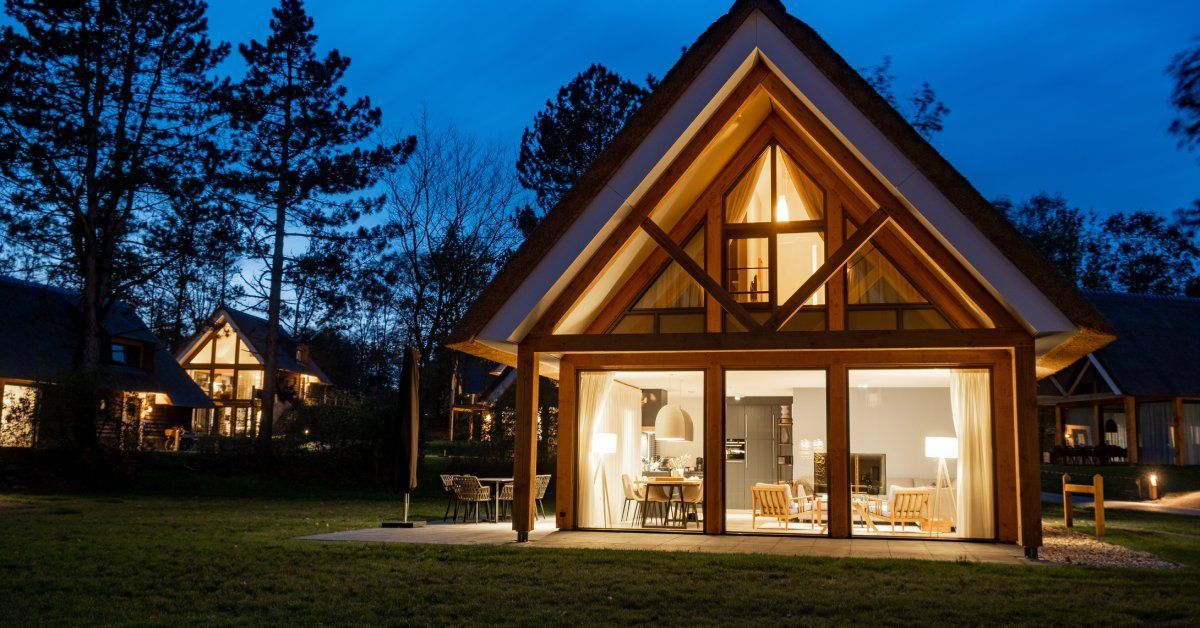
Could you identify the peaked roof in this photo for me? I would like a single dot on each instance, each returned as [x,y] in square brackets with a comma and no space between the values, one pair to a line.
[1091,332]
[41,343]
[1158,339]
[254,331]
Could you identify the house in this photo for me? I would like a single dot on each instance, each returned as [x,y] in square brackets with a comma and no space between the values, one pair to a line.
[1143,388]
[772,307]
[226,361]
[42,347]
[475,386]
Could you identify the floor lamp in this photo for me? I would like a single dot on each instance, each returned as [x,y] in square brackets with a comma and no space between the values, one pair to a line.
[941,447]
[604,444]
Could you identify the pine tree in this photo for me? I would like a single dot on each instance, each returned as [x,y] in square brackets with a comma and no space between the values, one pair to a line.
[301,160]
[107,120]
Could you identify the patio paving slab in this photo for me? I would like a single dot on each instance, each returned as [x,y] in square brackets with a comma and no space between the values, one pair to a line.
[546,536]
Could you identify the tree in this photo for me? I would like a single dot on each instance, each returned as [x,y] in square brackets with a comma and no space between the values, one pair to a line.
[572,130]
[923,110]
[1185,96]
[451,213]
[1142,253]
[1064,234]
[105,109]
[301,158]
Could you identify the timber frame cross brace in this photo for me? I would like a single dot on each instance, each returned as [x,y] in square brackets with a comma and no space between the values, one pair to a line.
[832,265]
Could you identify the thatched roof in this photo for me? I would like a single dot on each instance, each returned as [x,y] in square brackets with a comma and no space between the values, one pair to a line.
[42,343]
[1093,330]
[1158,339]
[254,331]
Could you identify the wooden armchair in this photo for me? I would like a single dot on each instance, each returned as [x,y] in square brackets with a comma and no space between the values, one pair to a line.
[775,501]
[906,505]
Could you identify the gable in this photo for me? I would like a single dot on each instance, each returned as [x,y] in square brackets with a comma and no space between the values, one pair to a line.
[867,133]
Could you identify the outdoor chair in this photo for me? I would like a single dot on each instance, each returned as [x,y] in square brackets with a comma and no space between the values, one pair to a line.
[472,493]
[448,489]
[541,483]
[505,498]
[633,495]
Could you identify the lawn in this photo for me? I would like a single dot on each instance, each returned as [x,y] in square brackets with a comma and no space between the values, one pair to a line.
[150,557]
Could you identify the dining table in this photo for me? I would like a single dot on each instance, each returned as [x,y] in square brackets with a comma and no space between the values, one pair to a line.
[496,483]
[673,486]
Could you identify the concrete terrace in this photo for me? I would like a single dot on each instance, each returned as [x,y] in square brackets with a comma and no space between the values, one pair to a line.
[546,536]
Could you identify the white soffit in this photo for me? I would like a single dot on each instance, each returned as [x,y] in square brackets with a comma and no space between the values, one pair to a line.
[754,37]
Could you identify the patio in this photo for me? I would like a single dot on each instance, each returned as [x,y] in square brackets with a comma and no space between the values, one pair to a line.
[544,535]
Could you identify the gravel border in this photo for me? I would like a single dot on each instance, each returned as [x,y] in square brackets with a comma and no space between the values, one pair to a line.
[1065,547]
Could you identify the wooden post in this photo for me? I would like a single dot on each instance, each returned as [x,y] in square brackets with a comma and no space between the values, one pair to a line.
[1067,519]
[1058,426]
[1098,493]
[1177,430]
[564,495]
[837,457]
[1028,457]
[714,450]
[1131,430]
[525,446]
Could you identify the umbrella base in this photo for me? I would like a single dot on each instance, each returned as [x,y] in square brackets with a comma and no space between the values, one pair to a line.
[402,524]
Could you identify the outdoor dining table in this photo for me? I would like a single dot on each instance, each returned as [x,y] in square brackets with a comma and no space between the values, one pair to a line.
[672,484]
[496,484]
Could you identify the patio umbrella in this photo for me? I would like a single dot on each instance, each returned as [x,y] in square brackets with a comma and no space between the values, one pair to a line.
[406,424]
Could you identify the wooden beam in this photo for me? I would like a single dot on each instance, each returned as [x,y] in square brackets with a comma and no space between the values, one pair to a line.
[832,265]
[564,494]
[692,268]
[837,451]
[1004,437]
[714,450]
[1058,425]
[1180,437]
[1131,429]
[525,445]
[835,235]
[778,341]
[600,260]
[792,359]
[1028,449]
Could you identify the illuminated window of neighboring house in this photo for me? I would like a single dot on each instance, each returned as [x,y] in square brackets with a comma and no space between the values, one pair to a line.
[226,341]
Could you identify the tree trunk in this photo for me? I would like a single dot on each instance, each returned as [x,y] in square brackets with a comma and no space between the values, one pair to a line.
[271,360]
[85,423]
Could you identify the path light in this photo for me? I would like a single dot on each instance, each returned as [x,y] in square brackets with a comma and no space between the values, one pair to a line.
[1153,486]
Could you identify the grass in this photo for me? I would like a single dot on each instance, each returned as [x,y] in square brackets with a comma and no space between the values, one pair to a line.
[199,556]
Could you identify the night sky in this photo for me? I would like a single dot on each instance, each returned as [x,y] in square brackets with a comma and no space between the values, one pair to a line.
[1068,97]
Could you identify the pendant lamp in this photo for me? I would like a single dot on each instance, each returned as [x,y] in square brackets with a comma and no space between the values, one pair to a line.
[673,423]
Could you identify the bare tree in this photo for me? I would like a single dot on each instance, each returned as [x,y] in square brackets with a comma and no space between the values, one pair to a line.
[451,213]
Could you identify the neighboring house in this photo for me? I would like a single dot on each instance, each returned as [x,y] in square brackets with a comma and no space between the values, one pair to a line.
[475,386]
[226,361]
[1143,388]
[770,301]
[42,347]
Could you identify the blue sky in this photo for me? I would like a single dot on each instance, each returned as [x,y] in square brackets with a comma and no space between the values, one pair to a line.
[1065,96]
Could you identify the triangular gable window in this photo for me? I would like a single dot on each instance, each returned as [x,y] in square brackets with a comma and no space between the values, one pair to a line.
[672,303]
[204,355]
[880,297]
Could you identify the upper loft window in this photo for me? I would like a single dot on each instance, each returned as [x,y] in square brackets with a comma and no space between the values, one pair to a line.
[672,303]
[126,354]
[880,297]
[224,346]
[774,231]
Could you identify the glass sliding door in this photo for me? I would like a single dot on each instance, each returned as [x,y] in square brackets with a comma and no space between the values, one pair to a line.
[921,453]
[775,467]
[640,450]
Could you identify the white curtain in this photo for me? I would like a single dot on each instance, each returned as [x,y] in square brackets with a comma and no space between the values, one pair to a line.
[970,402]
[593,397]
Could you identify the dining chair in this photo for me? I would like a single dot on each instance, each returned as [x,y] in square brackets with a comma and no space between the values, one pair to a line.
[657,499]
[505,497]
[541,483]
[448,489]
[693,500]
[471,492]
[633,495]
